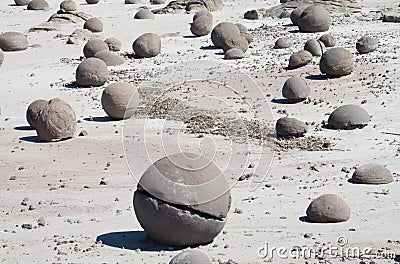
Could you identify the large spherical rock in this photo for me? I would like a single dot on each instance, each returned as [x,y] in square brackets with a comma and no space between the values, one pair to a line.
[300,59]
[315,47]
[234,41]
[182,200]
[68,6]
[93,24]
[328,208]
[314,18]
[372,173]
[234,54]
[33,111]
[222,31]
[13,41]
[1,57]
[120,100]
[366,44]
[349,117]
[336,62]
[92,2]
[295,89]
[93,46]
[296,13]
[147,45]
[190,257]
[283,43]
[110,58]
[144,14]
[290,127]
[202,25]
[202,13]
[92,72]
[56,121]
[328,40]
[113,44]
[38,5]
[21,2]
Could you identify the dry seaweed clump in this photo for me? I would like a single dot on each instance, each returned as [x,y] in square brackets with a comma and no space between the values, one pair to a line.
[307,144]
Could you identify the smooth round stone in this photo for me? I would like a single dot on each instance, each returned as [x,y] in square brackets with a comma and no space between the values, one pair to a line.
[235,41]
[120,100]
[21,2]
[336,62]
[92,72]
[328,208]
[328,40]
[295,89]
[202,25]
[113,44]
[144,14]
[68,6]
[366,44]
[92,2]
[190,257]
[290,127]
[94,46]
[349,117]
[94,25]
[283,43]
[314,18]
[147,45]
[296,13]
[372,173]
[38,5]
[234,54]
[300,59]
[13,41]
[222,31]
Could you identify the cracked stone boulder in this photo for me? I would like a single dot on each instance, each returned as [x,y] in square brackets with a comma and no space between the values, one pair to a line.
[255,14]
[33,111]
[68,6]
[56,121]
[191,256]
[109,57]
[120,100]
[183,6]
[315,47]
[93,24]
[93,46]
[372,173]
[295,89]
[366,44]
[314,18]
[287,127]
[114,44]
[201,25]
[182,200]
[80,35]
[234,42]
[92,72]
[38,5]
[328,40]
[336,62]
[21,2]
[349,117]
[328,208]
[283,43]
[147,45]
[300,59]
[13,41]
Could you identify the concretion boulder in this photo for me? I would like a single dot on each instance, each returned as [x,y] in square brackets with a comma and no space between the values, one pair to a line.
[114,44]
[328,40]
[33,111]
[190,257]
[93,46]
[314,18]
[295,89]
[93,24]
[13,41]
[234,54]
[222,31]
[315,47]
[120,100]
[283,43]
[290,128]
[38,5]
[336,62]
[300,59]
[182,6]
[202,25]
[109,57]
[349,117]
[92,72]
[366,44]
[372,173]
[147,45]
[328,208]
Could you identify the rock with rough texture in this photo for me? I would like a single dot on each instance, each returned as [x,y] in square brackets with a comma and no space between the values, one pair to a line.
[287,127]
[234,54]
[80,35]
[372,173]
[202,25]
[349,117]
[366,44]
[21,2]
[91,72]
[315,47]
[144,13]
[1,57]
[255,14]
[130,2]
[314,18]
[157,2]
[56,121]
[13,41]
[183,6]
[328,40]
[300,59]
[147,45]
[283,43]
[235,41]
[109,57]
[277,12]
[222,31]
[93,46]
[245,33]
[296,13]
[68,6]
[182,200]
[38,5]
[333,6]
[336,62]
[328,208]
[33,111]
[69,17]
[120,100]
[114,44]
[92,2]
[202,13]
[93,24]
[295,89]
[391,17]
[190,257]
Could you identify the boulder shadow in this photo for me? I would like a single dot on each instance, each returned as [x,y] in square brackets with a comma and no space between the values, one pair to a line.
[286,101]
[32,139]
[99,119]
[304,219]
[209,47]
[397,258]
[317,77]
[191,36]
[72,85]
[132,240]
[23,128]
[294,30]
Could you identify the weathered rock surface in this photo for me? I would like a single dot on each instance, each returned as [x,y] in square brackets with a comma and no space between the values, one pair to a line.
[181,6]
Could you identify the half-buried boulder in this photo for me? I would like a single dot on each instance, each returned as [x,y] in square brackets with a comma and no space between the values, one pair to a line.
[372,173]
[349,117]
[328,208]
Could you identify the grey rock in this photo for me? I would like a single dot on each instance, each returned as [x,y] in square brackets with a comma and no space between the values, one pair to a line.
[144,13]
[328,208]
[13,41]
[234,54]
[328,40]
[109,57]
[190,257]
[290,127]
[92,72]
[283,43]
[315,47]
[372,173]
[300,59]
[314,18]
[336,62]
[93,46]
[349,117]
[295,89]
[366,44]
[120,100]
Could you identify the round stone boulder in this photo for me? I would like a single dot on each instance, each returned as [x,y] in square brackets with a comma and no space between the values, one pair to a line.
[38,5]
[182,200]
[295,89]
[283,43]
[315,47]
[144,14]
[372,173]
[245,33]
[92,72]
[366,44]
[109,57]
[33,111]
[114,44]
[93,46]
[202,25]
[147,45]
[300,59]
[287,127]
[13,41]
[328,40]
[120,100]
[296,13]
[56,121]
[314,18]
[235,41]
[93,24]
[92,2]
[234,54]
[190,256]
[222,31]
[21,2]
[349,117]
[1,57]
[336,62]
[202,13]
[68,6]
[328,208]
